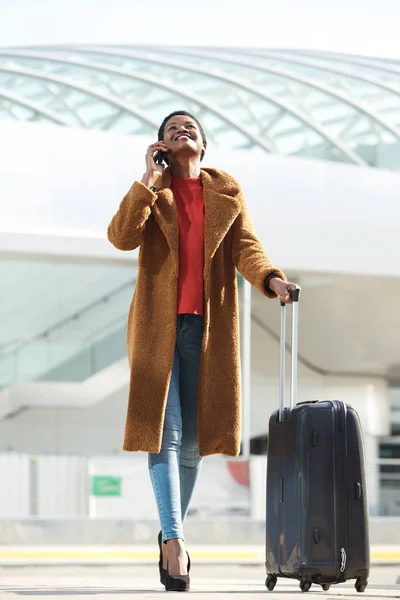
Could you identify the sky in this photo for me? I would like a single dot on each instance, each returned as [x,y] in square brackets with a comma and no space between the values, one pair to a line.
[368,27]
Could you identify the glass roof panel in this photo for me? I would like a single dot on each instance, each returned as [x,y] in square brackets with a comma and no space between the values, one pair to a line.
[302,102]
[21,113]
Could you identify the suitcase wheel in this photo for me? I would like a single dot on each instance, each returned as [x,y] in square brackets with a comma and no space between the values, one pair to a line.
[326,587]
[270,582]
[305,585]
[361,585]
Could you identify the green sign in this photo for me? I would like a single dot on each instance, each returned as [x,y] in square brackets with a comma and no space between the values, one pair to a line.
[106,485]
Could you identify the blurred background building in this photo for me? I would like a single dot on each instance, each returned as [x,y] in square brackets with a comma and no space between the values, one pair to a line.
[314,139]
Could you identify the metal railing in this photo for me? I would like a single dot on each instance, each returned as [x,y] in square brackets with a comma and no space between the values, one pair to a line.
[34,357]
[389,486]
[62,486]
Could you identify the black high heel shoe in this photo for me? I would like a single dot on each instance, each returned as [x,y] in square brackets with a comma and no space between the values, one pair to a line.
[163,572]
[180,583]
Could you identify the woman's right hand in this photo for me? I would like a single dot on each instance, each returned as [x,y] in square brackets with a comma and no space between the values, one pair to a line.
[153,169]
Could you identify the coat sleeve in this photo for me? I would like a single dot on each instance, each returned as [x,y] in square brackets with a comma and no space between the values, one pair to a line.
[127,226]
[248,253]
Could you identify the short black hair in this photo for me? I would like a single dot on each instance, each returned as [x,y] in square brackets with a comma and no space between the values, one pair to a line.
[182,113]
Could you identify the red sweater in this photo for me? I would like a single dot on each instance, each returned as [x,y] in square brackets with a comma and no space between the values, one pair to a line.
[189,201]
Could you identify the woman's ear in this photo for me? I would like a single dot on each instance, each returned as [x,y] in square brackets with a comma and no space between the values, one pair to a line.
[203,152]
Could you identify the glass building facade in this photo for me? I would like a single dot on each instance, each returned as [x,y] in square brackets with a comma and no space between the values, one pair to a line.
[301,103]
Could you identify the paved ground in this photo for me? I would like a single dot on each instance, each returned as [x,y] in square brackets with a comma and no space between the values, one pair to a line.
[222,582]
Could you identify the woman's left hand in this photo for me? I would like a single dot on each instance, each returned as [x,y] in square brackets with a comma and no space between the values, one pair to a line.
[282,288]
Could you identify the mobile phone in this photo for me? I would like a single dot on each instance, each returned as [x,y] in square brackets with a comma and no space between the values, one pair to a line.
[159,157]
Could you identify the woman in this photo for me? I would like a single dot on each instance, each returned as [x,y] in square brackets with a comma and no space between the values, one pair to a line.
[193,229]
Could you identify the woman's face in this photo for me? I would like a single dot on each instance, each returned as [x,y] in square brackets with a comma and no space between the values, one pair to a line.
[182,137]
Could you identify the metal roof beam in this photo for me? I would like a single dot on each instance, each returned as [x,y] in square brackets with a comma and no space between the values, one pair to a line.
[352,156]
[26,103]
[339,97]
[264,144]
[80,88]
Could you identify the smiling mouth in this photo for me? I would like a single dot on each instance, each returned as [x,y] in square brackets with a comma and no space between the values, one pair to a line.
[183,135]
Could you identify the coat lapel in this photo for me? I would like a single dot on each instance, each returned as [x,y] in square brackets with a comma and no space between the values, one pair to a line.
[221,206]
[165,214]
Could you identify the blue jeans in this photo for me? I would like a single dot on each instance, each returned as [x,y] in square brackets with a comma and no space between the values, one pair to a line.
[175,470]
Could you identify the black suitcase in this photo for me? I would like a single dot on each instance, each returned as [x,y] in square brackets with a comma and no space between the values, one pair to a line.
[317,515]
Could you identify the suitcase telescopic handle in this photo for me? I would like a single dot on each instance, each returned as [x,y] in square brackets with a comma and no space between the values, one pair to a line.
[295,295]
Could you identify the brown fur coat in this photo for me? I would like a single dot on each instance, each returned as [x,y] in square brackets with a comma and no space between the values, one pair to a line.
[149,220]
